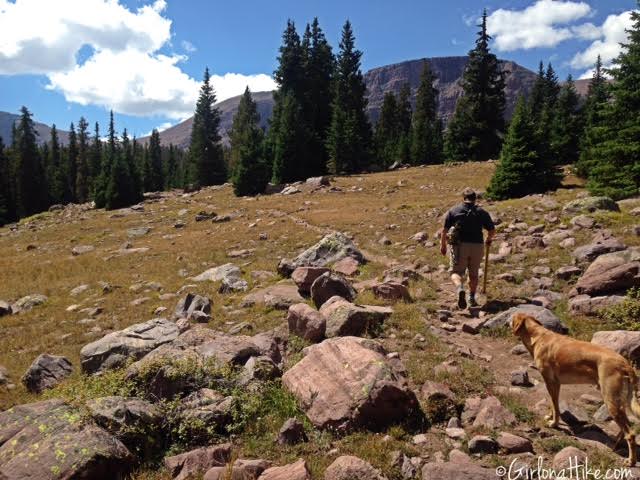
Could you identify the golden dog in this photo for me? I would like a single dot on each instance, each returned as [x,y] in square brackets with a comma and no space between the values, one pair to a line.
[564,360]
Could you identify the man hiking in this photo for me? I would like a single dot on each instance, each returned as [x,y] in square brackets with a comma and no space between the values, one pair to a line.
[462,229]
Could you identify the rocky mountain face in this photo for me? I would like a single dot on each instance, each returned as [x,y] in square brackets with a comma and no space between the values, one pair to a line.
[44,131]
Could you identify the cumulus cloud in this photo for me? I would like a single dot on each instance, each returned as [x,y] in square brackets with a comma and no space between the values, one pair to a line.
[127,69]
[543,24]
[607,44]
[188,46]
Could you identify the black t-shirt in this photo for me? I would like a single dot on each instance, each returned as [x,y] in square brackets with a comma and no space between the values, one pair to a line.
[472,223]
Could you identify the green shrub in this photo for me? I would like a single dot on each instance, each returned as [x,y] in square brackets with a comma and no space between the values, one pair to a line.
[625,315]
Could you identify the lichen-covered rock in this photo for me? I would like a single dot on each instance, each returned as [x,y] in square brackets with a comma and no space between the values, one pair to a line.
[331,248]
[28,302]
[46,371]
[132,343]
[546,317]
[49,439]
[348,382]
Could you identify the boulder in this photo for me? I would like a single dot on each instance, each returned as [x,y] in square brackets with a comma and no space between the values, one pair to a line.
[260,368]
[590,252]
[591,306]
[482,444]
[487,412]
[5,308]
[583,221]
[132,343]
[192,303]
[138,231]
[610,273]
[330,249]
[590,204]
[457,471]
[348,382]
[240,470]
[546,317]
[346,319]
[520,378]
[82,249]
[567,272]
[510,443]
[293,471]
[49,440]
[207,407]
[279,296]
[438,400]
[135,422]
[305,276]
[568,457]
[46,371]
[229,276]
[348,467]
[291,432]
[348,266]
[625,342]
[28,302]
[321,181]
[528,242]
[393,291]
[307,323]
[329,285]
[196,462]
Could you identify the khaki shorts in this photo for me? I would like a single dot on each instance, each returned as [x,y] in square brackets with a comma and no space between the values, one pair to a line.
[466,256]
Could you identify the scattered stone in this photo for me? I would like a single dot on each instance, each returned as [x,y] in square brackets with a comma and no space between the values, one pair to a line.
[583,221]
[349,467]
[46,371]
[602,414]
[625,342]
[279,296]
[610,273]
[487,412]
[506,277]
[482,444]
[5,308]
[528,242]
[541,270]
[546,317]
[318,181]
[346,319]
[138,232]
[590,205]
[290,190]
[473,326]
[392,291]
[4,376]
[82,249]
[591,306]
[28,302]
[384,241]
[132,343]
[329,285]
[292,432]
[305,276]
[456,433]
[307,323]
[293,471]
[568,242]
[567,272]
[196,462]
[520,378]
[438,400]
[519,349]
[348,382]
[567,457]
[139,301]
[330,249]
[510,443]
[457,471]
[204,216]
[193,307]
[598,247]
[348,267]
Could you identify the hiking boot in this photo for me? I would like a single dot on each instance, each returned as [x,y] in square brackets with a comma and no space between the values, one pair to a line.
[462,301]
[472,301]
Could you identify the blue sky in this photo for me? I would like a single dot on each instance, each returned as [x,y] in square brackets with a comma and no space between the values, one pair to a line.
[144,59]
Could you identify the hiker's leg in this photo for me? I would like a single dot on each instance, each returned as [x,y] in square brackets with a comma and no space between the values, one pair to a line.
[473,282]
[456,279]
[476,252]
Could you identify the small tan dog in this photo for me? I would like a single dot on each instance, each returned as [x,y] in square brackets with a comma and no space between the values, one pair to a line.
[564,360]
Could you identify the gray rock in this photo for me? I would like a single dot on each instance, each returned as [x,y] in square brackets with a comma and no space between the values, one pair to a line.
[591,204]
[329,285]
[590,306]
[593,250]
[482,444]
[5,309]
[279,296]
[190,304]
[438,400]
[602,414]
[330,249]
[292,432]
[28,302]
[487,412]
[546,317]
[46,371]
[322,181]
[346,319]
[132,343]
[624,342]
[261,368]
[520,378]
[138,232]
[82,249]
[510,443]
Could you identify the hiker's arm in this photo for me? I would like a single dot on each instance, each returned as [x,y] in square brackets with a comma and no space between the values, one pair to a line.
[490,234]
[490,227]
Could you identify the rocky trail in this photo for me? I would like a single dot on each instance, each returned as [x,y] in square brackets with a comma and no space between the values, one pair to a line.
[307,334]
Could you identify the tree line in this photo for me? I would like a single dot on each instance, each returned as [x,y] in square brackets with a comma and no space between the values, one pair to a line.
[320,126]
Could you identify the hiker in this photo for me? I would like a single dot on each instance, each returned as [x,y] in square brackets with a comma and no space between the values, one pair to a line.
[462,229]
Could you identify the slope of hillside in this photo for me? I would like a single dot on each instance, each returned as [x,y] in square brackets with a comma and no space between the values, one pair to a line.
[104,271]
[44,131]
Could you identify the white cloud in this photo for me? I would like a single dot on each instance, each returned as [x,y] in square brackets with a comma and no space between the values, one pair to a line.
[125,71]
[543,24]
[188,46]
[607,44]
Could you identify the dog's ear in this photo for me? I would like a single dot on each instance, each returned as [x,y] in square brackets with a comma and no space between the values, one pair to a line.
[518,323]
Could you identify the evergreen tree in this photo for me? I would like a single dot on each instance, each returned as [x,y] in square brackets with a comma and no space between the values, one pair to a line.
[426,134]
[30,180]
[121,187]
[71,167]
[172,175]
[521,170]
[615,158]
[538,94]
[7,210]
[108,159]
[250,174]
[56,178]
[206,162]
[82,171]
[552,87]
[476,130]
[289,141]
[405,113]
[134,166]
[566,128]
[387,131]
[95,160]
[155,182]
[349,137]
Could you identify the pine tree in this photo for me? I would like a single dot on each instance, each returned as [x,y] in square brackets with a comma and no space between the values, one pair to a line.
[155,181]
[594,106]
[566,127]
[109,154]
[206,163]
[521,170]
[7,211]
[475,132]
[56,175]
[615,157]
[172,175]
[349,137]
[82,171]
[121,187]
[30,179]
[250,174]
[134,166]
[538,94]
[552,87]
[405,114]
[426,134]
[289,142]
[95,160]
[71,167]
[387,131]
